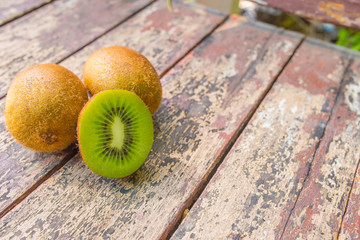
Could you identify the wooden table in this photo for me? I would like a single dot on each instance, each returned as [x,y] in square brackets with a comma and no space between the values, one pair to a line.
[257,137]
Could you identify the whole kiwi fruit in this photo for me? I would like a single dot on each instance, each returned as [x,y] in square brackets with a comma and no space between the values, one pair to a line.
[115,133]
[42,107]
[119,67]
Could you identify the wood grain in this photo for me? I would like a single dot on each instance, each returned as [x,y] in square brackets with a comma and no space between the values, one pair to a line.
[255,187]
[351,223]
[347,140]
[22,168]
[340,12]
[161,35]
[11,9]
[206,98]
[320,206]
[57,30]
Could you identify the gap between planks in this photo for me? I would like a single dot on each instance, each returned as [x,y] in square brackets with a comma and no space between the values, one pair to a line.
[101,35]
[352,184]
[342,84]
[21,14]
[107,31]
[348,199]
[195,45]
[17,201]
[191,201]
[75,149]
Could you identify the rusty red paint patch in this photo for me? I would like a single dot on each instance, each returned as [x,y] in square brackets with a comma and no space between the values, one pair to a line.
[340,12]
[220,122]
[315,77]
[160,19]
[309,201]
[315,124]
[351,223]
[187,59]
[233,21]
[327,187]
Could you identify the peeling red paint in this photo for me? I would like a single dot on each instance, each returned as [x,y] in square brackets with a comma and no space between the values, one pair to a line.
[327,188]
[310,199]
[351,223]
[340,12]
[300,174]
[342,115]
[160,19]
[188,58]
[313,121]
[314,76]
[233,21]
[220,122]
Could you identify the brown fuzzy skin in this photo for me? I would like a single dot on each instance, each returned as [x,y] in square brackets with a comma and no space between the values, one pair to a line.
[123,68]
[42,107]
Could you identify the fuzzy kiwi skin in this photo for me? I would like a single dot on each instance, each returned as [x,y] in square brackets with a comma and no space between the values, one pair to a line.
[42,107]
[119,67]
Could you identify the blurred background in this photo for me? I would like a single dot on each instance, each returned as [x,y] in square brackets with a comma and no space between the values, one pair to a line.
[328,32]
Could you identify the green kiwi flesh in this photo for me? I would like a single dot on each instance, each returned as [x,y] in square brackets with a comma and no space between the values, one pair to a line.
[115,133]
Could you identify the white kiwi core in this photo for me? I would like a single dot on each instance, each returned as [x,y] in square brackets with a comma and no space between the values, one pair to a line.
[118,133]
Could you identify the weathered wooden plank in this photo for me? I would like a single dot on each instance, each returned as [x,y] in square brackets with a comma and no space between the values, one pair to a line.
[200,112]
[320,206]
[10,9]
[255,187]
[57,30]
[161,35]
[350,228]
[340,12]
[21,168]
[349,138]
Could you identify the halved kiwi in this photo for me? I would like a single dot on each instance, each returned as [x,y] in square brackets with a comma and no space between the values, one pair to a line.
[115,133]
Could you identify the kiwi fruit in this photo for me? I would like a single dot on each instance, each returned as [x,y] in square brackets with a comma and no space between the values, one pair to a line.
[115,133]
[119,67]
[42,107]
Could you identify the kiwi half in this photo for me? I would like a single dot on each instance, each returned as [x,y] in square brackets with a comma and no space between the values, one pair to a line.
[115,133]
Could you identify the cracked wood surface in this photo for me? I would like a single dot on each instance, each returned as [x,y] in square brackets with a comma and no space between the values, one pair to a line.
[350,228]
[206,97]
[55,31]
[10,9]
[340,12]
[347,151]
[256,186]
[21,168]
[320,206]
[162,36]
